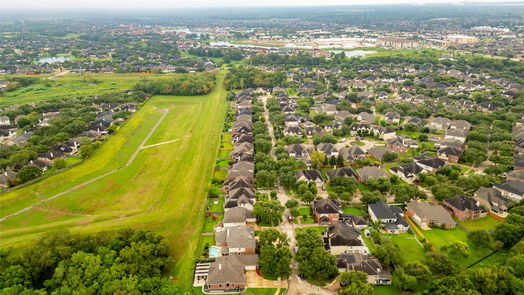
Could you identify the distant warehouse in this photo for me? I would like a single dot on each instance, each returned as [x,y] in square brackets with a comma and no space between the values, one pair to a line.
[396,43]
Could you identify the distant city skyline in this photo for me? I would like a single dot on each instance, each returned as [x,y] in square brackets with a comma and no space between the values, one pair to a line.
[101,4]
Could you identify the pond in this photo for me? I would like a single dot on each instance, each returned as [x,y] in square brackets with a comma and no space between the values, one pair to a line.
[54,59]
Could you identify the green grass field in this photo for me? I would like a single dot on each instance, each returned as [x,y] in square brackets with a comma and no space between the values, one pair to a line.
[411,250]
[354,211]
[74,85]
[162,190]
[386,290]
[486,223]
[441,237]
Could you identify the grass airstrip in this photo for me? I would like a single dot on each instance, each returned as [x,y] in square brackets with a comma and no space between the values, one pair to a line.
[163,189]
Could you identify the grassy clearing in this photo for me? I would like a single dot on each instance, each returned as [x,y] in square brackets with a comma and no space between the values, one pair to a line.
[486,223]
[411,250]
[441,237]
[74,85]
[216,207]
[354,211]
[386,290]
[162,190]
[211,221]
[220,174]
[205,241]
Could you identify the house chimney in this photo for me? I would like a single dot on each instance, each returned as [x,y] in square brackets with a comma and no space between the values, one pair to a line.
[220,266]
[228,232]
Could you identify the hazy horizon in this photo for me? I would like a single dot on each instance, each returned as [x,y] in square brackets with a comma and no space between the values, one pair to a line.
[153,4]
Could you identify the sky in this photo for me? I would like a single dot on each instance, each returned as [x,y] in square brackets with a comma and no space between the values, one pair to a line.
[101,4]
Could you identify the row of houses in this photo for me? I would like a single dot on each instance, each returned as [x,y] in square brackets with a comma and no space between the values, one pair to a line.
[234,253]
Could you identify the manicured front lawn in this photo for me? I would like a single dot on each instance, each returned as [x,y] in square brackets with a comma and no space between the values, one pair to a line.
[386,290]
[486,223]
[354,211]
[305,211]
[216,207]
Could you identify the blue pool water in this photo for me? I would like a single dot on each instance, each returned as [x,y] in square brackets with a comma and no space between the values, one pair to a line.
[213,252]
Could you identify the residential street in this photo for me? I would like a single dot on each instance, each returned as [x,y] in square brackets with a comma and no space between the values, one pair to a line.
[295,284]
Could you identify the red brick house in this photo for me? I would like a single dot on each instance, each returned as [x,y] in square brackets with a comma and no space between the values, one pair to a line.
[463,207]
[326,211]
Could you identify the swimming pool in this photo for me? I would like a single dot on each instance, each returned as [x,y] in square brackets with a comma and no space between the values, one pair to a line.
[214,252]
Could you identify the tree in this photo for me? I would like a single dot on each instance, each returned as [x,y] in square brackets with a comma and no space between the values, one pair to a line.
[371,197]
[388,253]
[29,172]
[268,212]
[442,192]
[263,146]
[381,184]
[456,249]
[87,150]
[59,163]
[355,282]
[389,156]
[480,238]
[307,197]
[340,185]
[275,256]
[317,158]
[314,260]
[292,203]
[404,281]
[440,263]
[265,178]
[405,193]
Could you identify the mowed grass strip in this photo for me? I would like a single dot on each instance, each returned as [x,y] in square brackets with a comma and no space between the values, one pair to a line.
[163,190]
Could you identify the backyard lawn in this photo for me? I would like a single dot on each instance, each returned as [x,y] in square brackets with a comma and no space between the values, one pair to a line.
[205,241]
[441,237]
[220,174]
[211,221]
[163,189]
[486,223]
[216,207]
[411,250]
[354,211]
[386,290]
[224,154]
[223,164]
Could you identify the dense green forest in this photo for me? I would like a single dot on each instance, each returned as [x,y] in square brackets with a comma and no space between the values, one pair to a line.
[128,262]
[241,78]
[190,84]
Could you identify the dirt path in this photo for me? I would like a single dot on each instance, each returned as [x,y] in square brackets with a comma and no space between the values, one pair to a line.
[60,74]
[165,111]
